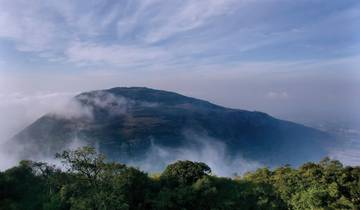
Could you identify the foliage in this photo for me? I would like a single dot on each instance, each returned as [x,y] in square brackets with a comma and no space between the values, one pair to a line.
[90,182]
[185,172]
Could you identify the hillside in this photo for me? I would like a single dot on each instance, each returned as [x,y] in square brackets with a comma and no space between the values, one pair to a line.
[124,123]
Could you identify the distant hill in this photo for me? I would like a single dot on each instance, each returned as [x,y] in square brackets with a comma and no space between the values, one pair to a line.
[125,122]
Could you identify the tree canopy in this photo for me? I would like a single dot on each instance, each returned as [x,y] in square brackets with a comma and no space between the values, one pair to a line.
[91,182]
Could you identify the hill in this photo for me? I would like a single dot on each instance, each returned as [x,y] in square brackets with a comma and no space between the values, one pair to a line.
[124,123]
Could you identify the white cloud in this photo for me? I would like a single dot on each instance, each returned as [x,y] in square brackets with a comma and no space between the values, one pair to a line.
[23,23]
[114,105]
[38,26]
[200,148]
[183,16]
[90,53]
[134,32]
[349,152]
[19,109]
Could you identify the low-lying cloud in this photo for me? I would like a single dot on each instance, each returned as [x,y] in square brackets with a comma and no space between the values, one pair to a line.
[199,148]
[21,110]
[349,152]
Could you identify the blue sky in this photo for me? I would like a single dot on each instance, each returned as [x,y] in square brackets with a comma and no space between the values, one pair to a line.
[269,55]
[138,34]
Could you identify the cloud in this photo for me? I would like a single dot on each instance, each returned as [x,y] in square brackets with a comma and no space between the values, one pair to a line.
[121,55]
[349,152]
[277,95]
[25,108]
[28,28]
[134,33]
[20,109]
[103,100]
[200,148]
[235,53]
[181,16]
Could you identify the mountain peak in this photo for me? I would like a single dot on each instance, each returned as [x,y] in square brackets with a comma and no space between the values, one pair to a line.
[128,121]
[150,95]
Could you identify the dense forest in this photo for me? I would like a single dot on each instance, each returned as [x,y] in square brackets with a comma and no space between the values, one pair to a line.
[88,181]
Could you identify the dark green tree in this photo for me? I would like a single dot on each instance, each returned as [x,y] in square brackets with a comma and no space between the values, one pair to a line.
[185,172]
[91,182]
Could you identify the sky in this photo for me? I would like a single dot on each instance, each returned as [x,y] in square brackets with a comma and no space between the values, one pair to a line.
[296,60]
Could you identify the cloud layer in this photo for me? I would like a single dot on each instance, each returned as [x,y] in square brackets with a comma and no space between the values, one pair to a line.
[143,32]
[200,148]
[296,60]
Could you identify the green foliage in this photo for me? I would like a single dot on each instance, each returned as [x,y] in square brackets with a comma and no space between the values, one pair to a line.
[20,188]
[326,185]
[90,182]
[185,172]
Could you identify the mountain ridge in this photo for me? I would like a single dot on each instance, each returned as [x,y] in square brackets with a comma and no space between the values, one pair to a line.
[126,121]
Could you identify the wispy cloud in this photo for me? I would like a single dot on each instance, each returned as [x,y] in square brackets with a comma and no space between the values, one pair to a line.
[174,32]
[297,60]
[27,28]
[122,55]
[170,18]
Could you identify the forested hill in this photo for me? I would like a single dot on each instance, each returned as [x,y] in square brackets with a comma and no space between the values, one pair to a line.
[124,123]
[89,182]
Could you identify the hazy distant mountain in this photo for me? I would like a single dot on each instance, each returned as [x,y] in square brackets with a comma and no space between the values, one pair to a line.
[126,122]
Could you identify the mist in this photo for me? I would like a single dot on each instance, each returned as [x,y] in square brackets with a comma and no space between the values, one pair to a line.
[200,148]
[296,61]
[21,110]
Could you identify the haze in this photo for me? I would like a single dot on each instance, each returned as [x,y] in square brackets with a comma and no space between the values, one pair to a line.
[296,60]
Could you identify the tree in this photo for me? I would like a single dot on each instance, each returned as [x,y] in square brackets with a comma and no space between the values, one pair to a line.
[20,188]
[185,172]
[90,182]
[85,161]
[92,185]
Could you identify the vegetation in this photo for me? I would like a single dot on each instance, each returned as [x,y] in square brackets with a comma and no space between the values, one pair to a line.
[89,182]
